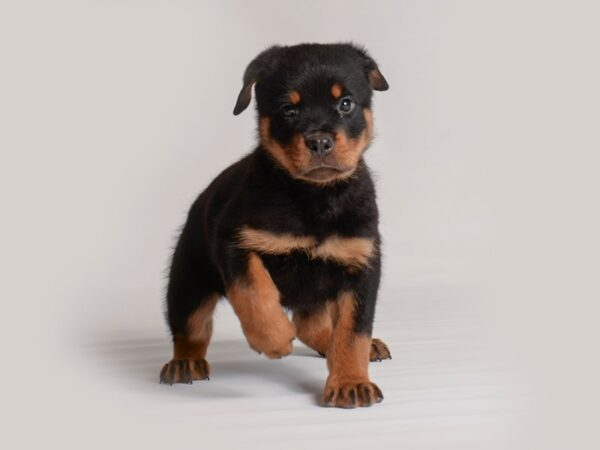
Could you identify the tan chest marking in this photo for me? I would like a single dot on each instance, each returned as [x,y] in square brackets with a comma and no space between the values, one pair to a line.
[273,244]
[354,252]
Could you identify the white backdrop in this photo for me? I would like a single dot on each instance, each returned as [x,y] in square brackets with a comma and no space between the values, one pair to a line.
[116,114]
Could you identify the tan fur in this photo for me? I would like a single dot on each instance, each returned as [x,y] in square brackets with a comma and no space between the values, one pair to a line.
[329,181]
[379,350]
[348,356]
[271,243]
[350,150]
[294,158]
[189,350]
[256,301]
[295,97]
[198,333]
[184,348]
[348,383]
[354,252]
[199,324]
[185,369]
[315,329]
[297,159]
[336,90]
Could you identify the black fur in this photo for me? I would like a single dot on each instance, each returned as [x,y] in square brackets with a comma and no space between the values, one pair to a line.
[258,192]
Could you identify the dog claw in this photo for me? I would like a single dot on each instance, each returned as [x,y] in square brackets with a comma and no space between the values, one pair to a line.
[379,351]
[184,371]
[351,395]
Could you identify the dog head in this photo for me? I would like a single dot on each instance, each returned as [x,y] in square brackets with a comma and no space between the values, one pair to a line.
[314,107]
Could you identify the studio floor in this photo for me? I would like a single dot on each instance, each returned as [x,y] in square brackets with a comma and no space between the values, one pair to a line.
[442,389]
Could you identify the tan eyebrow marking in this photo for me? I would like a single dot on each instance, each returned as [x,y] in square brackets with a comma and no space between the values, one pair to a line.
[336,90]
[294,97]
[354,252]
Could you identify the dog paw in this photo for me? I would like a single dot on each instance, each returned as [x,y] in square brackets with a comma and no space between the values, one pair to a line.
[274,348]
[352,394]
[184,371]
[274,342]
[379,351]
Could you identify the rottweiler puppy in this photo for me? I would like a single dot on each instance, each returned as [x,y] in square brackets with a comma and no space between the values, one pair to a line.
[291,226]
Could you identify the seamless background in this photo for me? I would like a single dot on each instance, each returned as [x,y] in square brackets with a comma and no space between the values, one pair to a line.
[114,115]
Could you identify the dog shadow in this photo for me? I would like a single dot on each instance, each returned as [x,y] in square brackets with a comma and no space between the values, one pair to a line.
[138,361]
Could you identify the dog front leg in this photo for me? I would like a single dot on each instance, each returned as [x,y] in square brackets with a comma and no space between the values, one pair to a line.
[256,301]
[348,383]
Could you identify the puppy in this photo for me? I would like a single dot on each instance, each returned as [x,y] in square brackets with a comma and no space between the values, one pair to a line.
[293,225]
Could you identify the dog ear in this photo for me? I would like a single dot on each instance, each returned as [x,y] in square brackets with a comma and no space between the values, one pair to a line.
[376,78]
[252,75]
[378,82]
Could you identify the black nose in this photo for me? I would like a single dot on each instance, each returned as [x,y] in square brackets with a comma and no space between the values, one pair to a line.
[320,143]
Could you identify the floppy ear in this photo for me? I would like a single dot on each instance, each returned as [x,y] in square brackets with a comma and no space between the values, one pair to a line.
[251,76]
[376,79]
[378,82]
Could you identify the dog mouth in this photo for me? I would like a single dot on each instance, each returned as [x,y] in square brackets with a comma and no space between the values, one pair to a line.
[325,172]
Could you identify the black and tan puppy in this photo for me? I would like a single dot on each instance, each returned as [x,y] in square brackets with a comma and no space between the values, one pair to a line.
[291,225]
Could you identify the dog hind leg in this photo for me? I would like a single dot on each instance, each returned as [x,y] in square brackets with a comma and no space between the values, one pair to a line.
[192,295]
[314,329]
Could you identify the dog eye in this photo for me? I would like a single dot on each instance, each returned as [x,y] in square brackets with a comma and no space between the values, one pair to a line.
[288,110]
[346,105]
